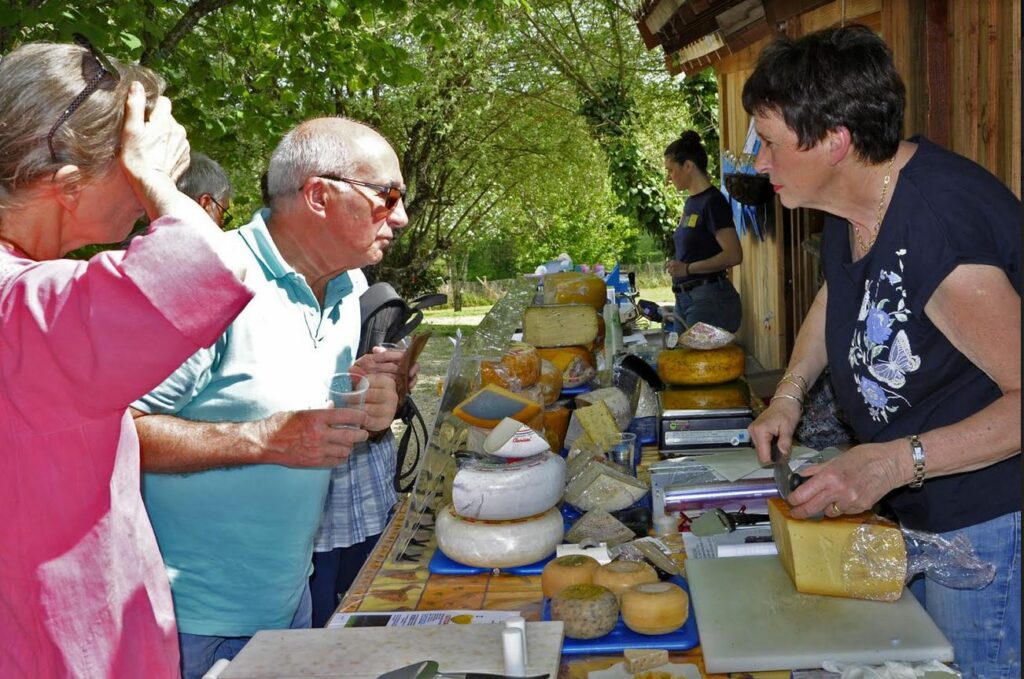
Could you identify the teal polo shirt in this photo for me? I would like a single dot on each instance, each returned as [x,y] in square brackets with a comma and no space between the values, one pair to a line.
[237,542]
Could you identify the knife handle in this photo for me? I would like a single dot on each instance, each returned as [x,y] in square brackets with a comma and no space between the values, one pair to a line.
[796,480]
[484,675]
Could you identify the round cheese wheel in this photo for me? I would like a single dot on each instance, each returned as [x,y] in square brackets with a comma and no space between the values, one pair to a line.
[618,576]
[697,366]
[522,364]
[498,544]
[588,611]
[508,490]
[493,372]
[570,287]
[571,569]
[655,608]
[550,382]
[735,394]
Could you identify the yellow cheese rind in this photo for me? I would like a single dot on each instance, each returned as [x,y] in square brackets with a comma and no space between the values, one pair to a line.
[572,569]
[735,394]
[488,406]
[860,556]
[561,325]
[655,608]
[696,366]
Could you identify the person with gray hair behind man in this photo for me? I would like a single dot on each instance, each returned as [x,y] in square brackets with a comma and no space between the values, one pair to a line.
[206,182]
[238,444]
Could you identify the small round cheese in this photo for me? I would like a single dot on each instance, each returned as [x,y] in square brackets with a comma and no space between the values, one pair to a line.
[571,569]
[618,576]
[588,611]
[655,608]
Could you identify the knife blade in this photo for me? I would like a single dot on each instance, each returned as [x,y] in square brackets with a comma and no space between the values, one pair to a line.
[786,480]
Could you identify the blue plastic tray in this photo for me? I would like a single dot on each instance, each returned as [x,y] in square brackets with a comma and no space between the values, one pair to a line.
[442,565]
[573,391]
[621,638]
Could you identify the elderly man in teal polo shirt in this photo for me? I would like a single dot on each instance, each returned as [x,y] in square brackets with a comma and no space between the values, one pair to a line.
[237,444]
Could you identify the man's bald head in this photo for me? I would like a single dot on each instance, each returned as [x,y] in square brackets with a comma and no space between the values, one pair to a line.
[331,146]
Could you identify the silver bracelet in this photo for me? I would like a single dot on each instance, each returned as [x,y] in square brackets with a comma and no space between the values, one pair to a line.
[917,451]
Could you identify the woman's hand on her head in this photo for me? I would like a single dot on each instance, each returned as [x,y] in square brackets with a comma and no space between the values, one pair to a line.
[153,151]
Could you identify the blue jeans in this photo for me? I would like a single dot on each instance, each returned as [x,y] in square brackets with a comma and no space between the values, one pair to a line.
[199,652]
[715,303]
[983,625]
[333,574]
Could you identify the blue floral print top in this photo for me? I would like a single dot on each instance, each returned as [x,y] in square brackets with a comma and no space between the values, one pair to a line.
[895,374]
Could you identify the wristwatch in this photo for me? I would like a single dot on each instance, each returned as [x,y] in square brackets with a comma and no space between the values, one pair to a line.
[917,451]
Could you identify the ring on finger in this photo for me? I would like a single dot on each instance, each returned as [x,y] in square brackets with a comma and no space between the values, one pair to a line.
[834,510]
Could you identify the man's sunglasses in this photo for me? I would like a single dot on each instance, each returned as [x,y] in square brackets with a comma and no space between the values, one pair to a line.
[391,193]
[97,71]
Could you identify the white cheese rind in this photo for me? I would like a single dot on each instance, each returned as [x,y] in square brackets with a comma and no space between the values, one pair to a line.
[500,544]
[511,490]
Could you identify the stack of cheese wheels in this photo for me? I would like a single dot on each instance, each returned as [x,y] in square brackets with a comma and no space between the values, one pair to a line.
[503,512]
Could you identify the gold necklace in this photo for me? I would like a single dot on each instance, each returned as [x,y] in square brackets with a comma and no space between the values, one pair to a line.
[864,247]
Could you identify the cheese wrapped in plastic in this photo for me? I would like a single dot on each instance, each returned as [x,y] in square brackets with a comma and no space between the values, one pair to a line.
[600,486]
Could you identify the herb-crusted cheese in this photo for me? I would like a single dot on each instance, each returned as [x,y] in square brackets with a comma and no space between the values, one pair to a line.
[588,611]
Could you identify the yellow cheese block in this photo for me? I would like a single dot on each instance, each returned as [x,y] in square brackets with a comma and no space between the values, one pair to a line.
[488,406]
[655,607]
[575,288]
[562,325]
[697,366]
[572,569]
[619,576]
[735,394]
[861,556]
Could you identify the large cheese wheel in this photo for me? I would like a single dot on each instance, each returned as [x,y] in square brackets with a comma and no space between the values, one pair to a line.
[859,555]
[655,608]
[735,394]
[508,490]
[588,611]
[697,366]
[618,576]
[498,544]
[570,287]
[571,569]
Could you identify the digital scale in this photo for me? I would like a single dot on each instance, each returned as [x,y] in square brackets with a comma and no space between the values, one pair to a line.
[686,430]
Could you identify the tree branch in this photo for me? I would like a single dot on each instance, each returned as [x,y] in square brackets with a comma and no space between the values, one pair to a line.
[184,25]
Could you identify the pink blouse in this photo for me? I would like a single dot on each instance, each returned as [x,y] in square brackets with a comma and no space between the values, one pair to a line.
[83,590]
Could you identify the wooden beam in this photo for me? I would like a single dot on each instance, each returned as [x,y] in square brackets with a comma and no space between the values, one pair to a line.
[693,21]
[651,40]
[739,17]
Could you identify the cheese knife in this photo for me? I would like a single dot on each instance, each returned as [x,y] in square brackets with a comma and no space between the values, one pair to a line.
[786,480]
[428,669]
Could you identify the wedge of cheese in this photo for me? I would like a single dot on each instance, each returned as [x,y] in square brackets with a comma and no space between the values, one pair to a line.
[860,556]
[561,325]
[596,421]
[616,400]
[488,406]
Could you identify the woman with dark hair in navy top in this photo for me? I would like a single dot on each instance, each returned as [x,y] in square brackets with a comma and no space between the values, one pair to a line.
[918,322]
[705,241]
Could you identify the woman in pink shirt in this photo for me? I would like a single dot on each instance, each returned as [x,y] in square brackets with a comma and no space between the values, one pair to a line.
[86,146]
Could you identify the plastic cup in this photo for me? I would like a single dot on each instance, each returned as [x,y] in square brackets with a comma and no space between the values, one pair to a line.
[621,451]
[348,390]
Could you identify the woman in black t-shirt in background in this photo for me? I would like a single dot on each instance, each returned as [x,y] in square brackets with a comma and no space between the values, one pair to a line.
[918,322]
[705,241]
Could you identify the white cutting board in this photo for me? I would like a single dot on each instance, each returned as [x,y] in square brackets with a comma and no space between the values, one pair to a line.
[751,618]
[367,652]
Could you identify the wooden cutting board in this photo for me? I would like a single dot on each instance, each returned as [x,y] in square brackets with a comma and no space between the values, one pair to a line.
[367,652]
[751,618]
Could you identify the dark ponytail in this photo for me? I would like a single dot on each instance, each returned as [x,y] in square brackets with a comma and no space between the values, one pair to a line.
[688,147]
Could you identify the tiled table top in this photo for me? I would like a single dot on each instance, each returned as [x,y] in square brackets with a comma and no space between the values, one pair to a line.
[389,584]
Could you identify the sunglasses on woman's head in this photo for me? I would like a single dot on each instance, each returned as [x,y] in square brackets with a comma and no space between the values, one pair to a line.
[97,72]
